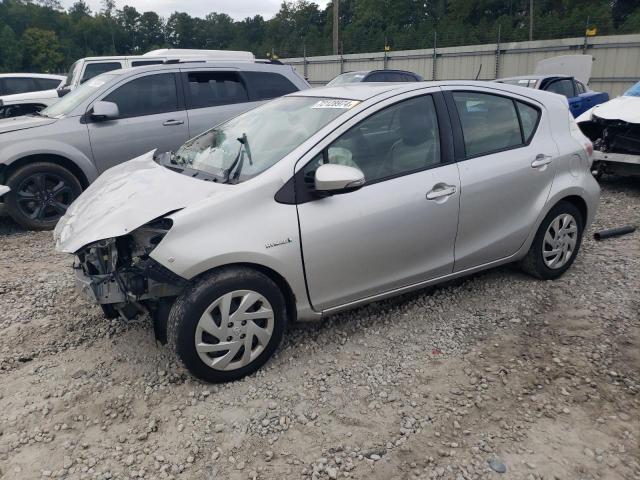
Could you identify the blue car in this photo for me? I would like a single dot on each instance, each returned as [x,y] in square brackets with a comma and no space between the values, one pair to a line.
[580,97]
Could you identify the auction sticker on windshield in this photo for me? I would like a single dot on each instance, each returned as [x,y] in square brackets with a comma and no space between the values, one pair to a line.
[335,103]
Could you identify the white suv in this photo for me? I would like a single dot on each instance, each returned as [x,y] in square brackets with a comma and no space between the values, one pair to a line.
[87,68]
[21,93]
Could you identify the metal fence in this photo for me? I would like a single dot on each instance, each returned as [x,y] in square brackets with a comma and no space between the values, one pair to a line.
[616,61]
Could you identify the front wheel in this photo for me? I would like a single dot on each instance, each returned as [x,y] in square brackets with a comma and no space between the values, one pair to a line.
[228,324]
[40,194]
[556,243]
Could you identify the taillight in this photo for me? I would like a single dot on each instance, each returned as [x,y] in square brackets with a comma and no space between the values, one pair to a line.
[588,146]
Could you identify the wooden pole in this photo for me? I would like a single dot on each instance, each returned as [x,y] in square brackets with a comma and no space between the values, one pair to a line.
[336,18]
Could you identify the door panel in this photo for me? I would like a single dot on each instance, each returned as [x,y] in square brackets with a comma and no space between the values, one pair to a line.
[502,196]
[150,119]
[116,141]
[576,105]
[385,236]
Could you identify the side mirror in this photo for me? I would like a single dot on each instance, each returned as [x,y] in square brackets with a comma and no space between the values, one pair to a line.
[63,91]
[332,178]
[104,111]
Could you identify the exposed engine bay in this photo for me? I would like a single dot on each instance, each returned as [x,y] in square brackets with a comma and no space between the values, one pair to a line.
[616,136]
[119,274]
[614,129]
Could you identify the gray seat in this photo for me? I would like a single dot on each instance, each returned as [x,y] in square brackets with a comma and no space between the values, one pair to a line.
[418,146]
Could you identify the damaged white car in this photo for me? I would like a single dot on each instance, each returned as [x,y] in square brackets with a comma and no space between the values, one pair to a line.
[327,199]
[614,129]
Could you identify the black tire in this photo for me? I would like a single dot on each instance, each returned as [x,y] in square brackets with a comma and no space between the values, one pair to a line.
[190,306]
[33,202]
[533,263]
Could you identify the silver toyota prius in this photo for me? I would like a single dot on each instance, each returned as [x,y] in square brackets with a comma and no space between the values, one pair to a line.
[326,199]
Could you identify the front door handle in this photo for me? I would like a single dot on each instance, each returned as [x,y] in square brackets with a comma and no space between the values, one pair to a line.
[170,123]
[541,160]
[440,191]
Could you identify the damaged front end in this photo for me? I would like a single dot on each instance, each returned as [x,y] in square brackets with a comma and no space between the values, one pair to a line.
[616,139]
[119,274]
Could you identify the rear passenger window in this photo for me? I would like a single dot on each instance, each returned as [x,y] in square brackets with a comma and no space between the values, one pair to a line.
[266,85]
[208,89]
[148,95]
[529,118]
[95,69]
[13,85]
[47,83]
[489,122]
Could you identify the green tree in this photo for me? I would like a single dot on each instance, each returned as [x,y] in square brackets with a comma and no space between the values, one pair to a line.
[150,32]
[10,51]
[41,50]
[128,20]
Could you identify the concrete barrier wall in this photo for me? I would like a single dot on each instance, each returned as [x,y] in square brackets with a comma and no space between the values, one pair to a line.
[616,63]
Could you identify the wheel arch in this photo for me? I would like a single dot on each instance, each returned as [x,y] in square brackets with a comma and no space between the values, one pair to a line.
[277,278]
[578,202]
[7,170]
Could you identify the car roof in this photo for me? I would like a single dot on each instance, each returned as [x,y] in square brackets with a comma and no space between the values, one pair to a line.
[245,66]
[32,75]
[366,90]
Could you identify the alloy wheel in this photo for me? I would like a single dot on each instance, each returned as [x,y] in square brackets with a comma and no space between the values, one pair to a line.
[44,197]
[559,241]
[234,330]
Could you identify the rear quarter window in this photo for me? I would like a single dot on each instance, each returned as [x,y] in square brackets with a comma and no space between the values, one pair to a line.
[266,85]
[489,122]
[529,117]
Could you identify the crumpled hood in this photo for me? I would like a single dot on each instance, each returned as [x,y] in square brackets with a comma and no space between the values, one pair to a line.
[126,197]
[20,123]
[626,109]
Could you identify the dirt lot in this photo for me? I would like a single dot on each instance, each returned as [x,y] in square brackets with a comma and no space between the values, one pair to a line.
[499,370]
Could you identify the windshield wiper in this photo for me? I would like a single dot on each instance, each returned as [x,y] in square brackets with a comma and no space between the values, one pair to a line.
[239,160]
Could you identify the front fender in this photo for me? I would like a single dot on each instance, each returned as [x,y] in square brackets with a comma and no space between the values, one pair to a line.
[15,151]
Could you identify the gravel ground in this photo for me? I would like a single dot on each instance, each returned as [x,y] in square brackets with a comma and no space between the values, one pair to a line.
[497,371]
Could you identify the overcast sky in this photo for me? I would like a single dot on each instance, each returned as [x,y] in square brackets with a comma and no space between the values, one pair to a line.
[238,9]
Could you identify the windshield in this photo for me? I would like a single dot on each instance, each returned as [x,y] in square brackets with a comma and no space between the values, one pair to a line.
[254,141]
[352,77]
[71,100]
[69,78]
[633,91]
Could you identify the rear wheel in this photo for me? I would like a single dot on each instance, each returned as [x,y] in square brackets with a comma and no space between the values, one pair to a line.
[556,243]
[40,194]
[228,324]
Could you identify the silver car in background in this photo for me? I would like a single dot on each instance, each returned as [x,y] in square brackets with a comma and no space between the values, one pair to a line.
[49,157]
[327,199]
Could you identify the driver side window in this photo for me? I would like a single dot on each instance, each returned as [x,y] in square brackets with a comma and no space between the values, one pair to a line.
[398,140]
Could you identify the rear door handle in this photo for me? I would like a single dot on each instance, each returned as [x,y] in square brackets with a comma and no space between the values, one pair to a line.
[441,191]
[541,160]
[170,123]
